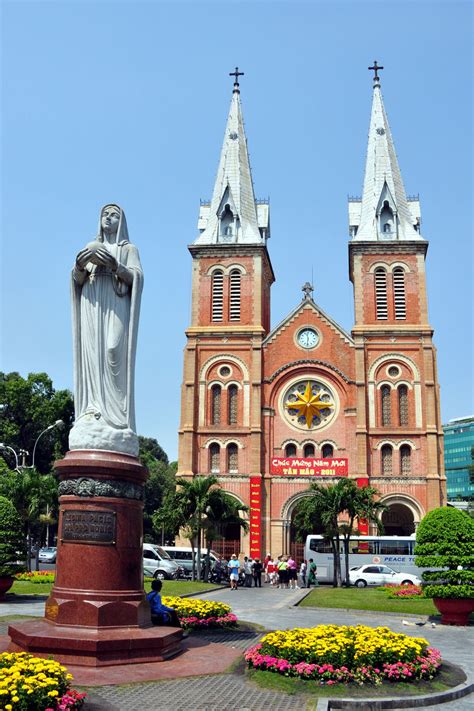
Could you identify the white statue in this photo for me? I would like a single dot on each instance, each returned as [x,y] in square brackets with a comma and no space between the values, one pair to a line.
[107,282]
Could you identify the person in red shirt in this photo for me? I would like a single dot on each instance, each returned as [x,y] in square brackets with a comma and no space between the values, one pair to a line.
[268,558]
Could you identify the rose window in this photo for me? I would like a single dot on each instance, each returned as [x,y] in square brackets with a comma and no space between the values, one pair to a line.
[309,404]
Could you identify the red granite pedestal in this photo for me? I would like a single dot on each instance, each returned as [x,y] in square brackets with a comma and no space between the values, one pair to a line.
[97,613]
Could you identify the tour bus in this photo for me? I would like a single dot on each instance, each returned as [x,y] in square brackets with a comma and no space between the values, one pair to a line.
[394,551]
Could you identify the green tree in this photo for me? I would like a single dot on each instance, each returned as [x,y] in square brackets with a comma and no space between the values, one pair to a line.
[27,407]
[222,510]
[31,493]
[150,451]
[12,541]
[160,482]
[323,508]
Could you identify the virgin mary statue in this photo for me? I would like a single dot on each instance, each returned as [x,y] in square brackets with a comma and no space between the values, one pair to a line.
[107,281]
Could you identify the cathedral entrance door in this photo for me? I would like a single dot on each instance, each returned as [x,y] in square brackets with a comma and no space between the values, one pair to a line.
[398,520]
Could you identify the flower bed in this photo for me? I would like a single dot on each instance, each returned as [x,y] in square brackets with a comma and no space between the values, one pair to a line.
[402,591]
[30,683]
[36,576]
[331,654]
[201,614]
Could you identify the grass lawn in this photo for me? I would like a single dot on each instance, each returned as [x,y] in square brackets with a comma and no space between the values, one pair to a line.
[170,587]
[367,599]
[293,686]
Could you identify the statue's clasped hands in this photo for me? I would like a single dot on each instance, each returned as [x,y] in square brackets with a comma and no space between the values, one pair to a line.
[100,256]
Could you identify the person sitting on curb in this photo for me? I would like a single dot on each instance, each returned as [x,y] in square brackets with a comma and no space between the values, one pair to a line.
[160,614]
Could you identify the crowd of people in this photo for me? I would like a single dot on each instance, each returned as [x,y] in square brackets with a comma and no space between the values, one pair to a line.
[281,572]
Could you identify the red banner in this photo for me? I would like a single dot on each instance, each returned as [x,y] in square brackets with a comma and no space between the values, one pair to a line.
[363,523]
[293,466]
[255,517]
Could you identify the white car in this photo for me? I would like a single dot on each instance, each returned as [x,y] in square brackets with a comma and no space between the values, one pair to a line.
[47,555]
[365,575]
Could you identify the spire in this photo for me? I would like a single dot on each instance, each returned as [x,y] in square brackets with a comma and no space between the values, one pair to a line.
[232,215]
[385,212]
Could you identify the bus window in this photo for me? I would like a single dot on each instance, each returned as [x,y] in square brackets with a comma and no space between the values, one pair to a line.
[396,547]
[362,546]
[320,546]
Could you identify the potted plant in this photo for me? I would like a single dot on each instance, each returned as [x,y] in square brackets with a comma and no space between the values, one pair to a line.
[12,545]
[445,543]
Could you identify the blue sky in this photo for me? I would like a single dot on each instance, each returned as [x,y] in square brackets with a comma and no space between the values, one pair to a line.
[127,102]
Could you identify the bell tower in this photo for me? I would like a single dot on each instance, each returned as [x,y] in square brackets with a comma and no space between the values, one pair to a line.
[399,433]
[221,421]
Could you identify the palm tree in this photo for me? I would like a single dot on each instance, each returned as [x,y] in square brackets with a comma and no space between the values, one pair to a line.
[223,509]
[324,507]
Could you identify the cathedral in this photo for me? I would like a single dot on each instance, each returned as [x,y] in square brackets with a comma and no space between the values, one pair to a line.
[268,410]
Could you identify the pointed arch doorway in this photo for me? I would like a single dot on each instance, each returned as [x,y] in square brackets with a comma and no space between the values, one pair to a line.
[295,536]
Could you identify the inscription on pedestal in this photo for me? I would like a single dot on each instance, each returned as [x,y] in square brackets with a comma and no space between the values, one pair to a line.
[96,527]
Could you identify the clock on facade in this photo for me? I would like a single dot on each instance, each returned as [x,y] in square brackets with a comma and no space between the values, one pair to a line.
[308,338]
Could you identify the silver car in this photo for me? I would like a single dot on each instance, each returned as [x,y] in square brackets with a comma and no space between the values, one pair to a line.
[47,555]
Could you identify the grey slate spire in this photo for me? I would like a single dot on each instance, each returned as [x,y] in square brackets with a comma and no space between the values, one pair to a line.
[232,215]
[385,213]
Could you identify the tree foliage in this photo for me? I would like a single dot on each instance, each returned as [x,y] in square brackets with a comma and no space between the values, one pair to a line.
[445,541]
[12,541]
[27,407]
[160,482]
[322,509]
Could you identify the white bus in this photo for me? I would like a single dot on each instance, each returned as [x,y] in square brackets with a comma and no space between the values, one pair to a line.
[394,551]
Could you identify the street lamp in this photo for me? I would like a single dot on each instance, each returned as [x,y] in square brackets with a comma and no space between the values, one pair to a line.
[6,446]
[58,423]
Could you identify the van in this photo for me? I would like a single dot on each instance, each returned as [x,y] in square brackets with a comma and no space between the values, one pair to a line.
[184,557]
[158,564]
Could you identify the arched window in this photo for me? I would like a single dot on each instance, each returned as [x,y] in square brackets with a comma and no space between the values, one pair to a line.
[232,403]
[327,451]
[308,450]
[234,295]
[399,300]
[403,405]
[405,460]
[381,307]
[232,459]
[290,450]
[218,295]
[214,458]
[386,456]
[385,396]
[216,397]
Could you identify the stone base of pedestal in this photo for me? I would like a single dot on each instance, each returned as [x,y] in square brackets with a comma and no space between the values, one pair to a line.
[95,647]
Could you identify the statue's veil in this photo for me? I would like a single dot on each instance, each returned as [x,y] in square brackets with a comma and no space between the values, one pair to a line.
[122,232]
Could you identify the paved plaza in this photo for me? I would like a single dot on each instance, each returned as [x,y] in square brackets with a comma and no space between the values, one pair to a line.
[272,608]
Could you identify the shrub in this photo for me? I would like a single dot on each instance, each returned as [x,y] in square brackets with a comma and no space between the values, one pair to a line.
[28,682]
[330,654]
[445,541]
[12,541]
[36,576]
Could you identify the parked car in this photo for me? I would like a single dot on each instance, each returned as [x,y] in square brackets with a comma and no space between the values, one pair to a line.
[158,564]
[364,575]
[47,554]
[184,557]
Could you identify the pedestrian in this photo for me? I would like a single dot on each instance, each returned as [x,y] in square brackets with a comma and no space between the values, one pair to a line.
[268,559]
[283,572]
[257,572]
[233,567]
[312,570]
[270,570]
[160,614]
[303,568]
[248,572]
[292,573]
[276,576]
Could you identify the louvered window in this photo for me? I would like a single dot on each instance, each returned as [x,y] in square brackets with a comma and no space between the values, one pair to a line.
[308,450]
[290,450]
[217,296]
[385,395]
[387,455]
[399,293]
[234,304]
[232,459]
[403,405]
[214,457]
[216,398]
[381,307]
[327,451]
[405,460]
[232,402]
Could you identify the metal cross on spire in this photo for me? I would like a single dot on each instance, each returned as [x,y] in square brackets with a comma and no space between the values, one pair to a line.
[236,74]
[307,289]
[375,69]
